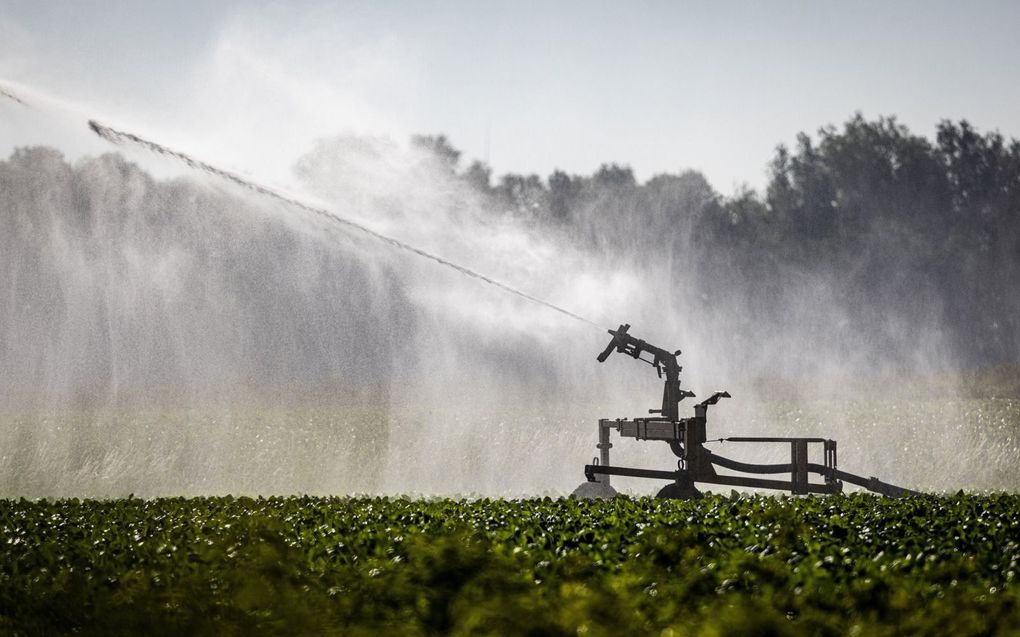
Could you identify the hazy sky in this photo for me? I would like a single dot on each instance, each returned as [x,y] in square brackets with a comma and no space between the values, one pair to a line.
[662,86]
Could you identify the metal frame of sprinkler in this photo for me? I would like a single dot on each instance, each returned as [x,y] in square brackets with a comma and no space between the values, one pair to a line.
[686,438]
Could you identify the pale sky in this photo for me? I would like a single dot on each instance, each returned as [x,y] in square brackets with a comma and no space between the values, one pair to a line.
[660,86]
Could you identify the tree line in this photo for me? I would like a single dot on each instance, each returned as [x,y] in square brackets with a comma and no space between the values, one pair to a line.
[901,229]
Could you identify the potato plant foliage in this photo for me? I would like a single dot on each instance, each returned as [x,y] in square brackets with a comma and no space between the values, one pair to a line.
[854,564]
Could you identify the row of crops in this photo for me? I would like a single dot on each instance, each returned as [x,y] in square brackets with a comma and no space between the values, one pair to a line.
[855,564]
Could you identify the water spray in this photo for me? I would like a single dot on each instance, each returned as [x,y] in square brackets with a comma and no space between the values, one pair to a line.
[120,137]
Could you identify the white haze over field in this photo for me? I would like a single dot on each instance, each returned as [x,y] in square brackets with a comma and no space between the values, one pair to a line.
[188,336]
[464,371]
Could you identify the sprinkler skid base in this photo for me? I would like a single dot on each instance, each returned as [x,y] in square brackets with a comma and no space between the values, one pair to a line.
[687,437]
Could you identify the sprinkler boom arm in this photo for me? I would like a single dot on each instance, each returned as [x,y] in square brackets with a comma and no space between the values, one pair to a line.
[663,361]
[626,344]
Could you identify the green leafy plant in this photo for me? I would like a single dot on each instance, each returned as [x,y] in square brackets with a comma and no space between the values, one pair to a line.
[854,564]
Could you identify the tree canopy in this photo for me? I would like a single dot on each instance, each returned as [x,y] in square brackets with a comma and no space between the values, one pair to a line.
[900,226]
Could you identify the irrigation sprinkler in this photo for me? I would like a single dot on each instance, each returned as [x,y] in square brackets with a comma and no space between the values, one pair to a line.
[687,437]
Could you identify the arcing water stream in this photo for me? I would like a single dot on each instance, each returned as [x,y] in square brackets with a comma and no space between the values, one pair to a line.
[119,137]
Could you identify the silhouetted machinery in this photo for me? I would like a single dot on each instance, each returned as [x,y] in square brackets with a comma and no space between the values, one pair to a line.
[686,438]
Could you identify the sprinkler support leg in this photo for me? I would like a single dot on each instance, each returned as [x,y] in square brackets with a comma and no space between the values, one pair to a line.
[598,486]
[604,446]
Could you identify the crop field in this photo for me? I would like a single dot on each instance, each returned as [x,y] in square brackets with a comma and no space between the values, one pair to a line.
[724,565]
